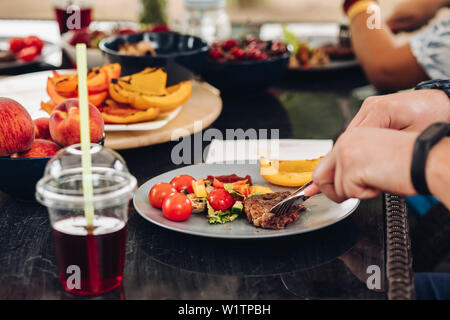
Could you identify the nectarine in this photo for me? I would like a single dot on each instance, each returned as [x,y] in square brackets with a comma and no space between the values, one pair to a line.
[65,123]
[41,128]
[16,127]
[39,148]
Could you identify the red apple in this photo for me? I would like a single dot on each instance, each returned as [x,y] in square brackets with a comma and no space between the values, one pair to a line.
[65,123]
[16,127]
[41,128]
[39,148]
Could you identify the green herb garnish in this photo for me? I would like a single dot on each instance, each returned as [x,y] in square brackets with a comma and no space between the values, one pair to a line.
[220,217]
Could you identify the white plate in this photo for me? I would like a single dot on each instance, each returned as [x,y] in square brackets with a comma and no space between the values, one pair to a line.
[159,122]
[29,90]
[49,48]
[320,211]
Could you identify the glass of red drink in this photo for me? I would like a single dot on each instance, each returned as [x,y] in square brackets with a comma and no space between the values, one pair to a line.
[73,14]
[90,259]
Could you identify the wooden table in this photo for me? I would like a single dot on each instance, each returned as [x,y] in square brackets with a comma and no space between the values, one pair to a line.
[333,263]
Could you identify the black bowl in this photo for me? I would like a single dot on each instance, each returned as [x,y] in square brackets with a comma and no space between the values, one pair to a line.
[182,56]
[18,176]
[245,76]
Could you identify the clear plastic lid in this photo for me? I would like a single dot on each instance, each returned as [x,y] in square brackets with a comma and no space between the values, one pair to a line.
[61,185]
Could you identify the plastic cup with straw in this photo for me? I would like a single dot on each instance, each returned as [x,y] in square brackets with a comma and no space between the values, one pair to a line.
[87,205]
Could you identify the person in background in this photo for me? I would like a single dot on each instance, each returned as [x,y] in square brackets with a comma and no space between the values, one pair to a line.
[388,65]
[410,15]
[398,143]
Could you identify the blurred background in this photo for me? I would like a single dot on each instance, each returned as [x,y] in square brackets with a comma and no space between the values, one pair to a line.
[240,11]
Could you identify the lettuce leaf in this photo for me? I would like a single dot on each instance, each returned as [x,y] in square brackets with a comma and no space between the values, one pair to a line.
[220,217]
[290,39]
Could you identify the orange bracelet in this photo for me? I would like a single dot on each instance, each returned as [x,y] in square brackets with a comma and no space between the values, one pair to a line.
[359,7]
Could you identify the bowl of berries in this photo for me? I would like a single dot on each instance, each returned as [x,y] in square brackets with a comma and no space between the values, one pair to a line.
[249,64]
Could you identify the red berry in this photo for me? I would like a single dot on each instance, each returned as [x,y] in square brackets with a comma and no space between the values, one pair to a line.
[252,40]
[253,54]
[263,56]
[215,54]
[252,48]
[237,53]
[257,45]
[228,44]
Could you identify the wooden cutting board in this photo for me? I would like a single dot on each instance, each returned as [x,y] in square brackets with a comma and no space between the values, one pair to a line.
[204,106]
[202,109]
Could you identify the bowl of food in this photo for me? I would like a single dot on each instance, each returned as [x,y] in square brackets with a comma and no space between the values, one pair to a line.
[92,38]
[321,52]
[26,145]
[182,56]
[249,64]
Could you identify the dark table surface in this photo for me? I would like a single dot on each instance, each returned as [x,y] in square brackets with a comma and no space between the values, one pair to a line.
[331,263]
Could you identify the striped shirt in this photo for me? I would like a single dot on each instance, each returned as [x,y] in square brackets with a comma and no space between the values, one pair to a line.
[431,48]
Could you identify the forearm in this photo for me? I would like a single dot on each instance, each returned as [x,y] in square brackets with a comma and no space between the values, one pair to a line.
[437,171]
[388,66]
[370,44]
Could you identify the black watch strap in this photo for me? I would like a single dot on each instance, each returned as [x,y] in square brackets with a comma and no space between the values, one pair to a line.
[443,85]
[424,142]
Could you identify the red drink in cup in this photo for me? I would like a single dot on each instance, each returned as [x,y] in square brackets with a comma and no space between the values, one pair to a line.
[100,251]
[91,258]
[73,14]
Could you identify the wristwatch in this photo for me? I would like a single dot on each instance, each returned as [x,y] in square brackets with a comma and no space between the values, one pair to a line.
[424,142]
[443,85]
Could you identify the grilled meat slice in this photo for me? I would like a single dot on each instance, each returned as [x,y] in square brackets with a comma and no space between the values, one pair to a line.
[257,209]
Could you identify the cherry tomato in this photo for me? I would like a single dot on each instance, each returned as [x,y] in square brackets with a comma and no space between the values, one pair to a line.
[28,54]
[33,41]
[183,182]
[16,44]
[159,192]
[177,207]
[220,199]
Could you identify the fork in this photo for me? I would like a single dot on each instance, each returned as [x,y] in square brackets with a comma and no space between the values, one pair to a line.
[284,205]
